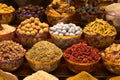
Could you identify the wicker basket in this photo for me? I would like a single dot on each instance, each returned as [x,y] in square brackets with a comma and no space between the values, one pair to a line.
[111,66]
[78,67]
[12,65]
[46,66]
[65,41]
[99,41]
[29,41]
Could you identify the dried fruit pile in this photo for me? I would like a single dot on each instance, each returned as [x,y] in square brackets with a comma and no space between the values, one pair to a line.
[30,11]
[82,53]
[32,27]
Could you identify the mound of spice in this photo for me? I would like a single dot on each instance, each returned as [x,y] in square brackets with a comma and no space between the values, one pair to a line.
[82,53]
[10,50]
[44,51]
[82,76]
[41,75]
[112,53]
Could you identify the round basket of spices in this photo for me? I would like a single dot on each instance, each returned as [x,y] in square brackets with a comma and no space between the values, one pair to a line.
[44,56]
[81,57]
[11,55]
[111,58]
[65,35]
[99,33]
[31,31]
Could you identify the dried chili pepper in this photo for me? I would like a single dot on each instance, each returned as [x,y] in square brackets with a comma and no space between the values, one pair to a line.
[82,53]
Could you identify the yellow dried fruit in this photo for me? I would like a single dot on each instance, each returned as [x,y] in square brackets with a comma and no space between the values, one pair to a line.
[32,26]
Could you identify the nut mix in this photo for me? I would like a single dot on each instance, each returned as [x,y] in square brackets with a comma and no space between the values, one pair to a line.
[44,56]
[11,55]
[59,11]
[112,53]
[99,33]
[111,58]
[31,31]
[82,53]
[6,13]
[64,35]
[30,11]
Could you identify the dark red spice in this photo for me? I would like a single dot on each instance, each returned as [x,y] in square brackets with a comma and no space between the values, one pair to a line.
[82,53]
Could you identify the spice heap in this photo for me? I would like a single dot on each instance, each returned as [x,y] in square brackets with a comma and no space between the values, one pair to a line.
[32,27]
[112,53]
[100,27]
[44,51]
[82,53]
[10,50]
[82,76]
[62,29]
[6,9]
[7,76]
[6,29]
[41,75]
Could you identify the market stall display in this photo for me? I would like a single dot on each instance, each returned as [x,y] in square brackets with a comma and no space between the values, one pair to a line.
[45,39]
